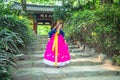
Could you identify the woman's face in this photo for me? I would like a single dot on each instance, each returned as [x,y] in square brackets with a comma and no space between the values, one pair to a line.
[59,26]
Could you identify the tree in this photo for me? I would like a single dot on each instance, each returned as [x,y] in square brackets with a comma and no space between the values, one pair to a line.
[107,1]
[23,2]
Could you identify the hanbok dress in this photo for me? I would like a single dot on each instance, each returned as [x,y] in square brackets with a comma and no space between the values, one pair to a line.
[57,51]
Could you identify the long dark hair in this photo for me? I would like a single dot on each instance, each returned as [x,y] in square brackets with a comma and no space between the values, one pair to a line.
[53,25]
[61,23]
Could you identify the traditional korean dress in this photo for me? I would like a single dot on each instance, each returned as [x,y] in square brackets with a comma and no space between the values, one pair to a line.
[57,52]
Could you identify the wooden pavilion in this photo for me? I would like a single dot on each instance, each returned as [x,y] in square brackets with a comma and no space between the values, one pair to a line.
[39,14]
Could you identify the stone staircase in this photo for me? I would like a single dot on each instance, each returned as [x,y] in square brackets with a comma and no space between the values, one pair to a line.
[85,65]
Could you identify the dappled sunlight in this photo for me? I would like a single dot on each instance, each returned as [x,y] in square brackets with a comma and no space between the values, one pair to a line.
[111,67]
[87,59]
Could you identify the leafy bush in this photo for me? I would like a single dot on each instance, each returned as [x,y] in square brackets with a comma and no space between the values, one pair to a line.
[116,60]
[5,7]
[109,22]
[15,24]
[10,40]
[9,47]
[97,28]
[14,34]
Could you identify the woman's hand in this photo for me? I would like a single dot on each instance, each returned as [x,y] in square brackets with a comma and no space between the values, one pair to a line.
[54,27]
[65,41]
[48,39]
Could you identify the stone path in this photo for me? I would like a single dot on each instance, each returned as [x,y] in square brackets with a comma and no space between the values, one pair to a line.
[85,65]
[96,78]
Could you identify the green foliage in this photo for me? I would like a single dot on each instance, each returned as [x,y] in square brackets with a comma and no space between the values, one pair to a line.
[11,41]
[15,24]
[109,22]
[65,11]
[9,47]
[14,34]
[5,7]
[98,28]
[43,29]
[60,14]
[80,21]
[116,60]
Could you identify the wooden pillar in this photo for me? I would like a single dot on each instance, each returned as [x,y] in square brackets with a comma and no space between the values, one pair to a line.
[35,27]
[23,5]
[35,23]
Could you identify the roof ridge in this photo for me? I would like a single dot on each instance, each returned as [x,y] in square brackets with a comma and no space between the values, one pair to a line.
[34,8]
[38,5]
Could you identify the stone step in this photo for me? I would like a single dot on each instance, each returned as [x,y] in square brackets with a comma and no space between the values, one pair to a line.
[69,43]
[42,36]
[77,50]
[40,42]
[73,46]
[40,56]
[52,73]
[41,50]
[38,52]
[75,62]
[45,42]
[38,45]
[81,53]
[95,78]
[44,45]
[70,46]
[37,49]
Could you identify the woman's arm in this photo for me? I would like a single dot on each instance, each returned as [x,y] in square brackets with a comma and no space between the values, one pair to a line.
[48,39]
[63,34]
[51,32]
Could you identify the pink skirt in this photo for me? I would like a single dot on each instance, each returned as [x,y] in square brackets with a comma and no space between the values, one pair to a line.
[63,52]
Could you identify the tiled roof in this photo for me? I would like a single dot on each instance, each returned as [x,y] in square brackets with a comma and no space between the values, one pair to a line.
[33,7]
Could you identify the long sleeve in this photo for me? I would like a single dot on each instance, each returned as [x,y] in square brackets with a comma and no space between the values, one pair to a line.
[51,32]
[61,32]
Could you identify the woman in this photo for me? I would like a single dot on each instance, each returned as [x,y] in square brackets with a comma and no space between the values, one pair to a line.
[57,52]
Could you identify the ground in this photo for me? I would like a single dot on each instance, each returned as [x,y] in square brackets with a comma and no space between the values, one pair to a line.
[85,65]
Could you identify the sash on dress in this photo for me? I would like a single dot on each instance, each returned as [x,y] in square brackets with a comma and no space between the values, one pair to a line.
[55,48]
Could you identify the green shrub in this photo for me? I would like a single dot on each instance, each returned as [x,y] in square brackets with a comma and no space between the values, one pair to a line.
[116,60]
[14,34]
[16,24]
[11,41]
[9,47]
[97,28]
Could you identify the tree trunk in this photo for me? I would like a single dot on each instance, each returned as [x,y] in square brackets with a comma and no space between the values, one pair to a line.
[107,1]
[79,2]
[23,2]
